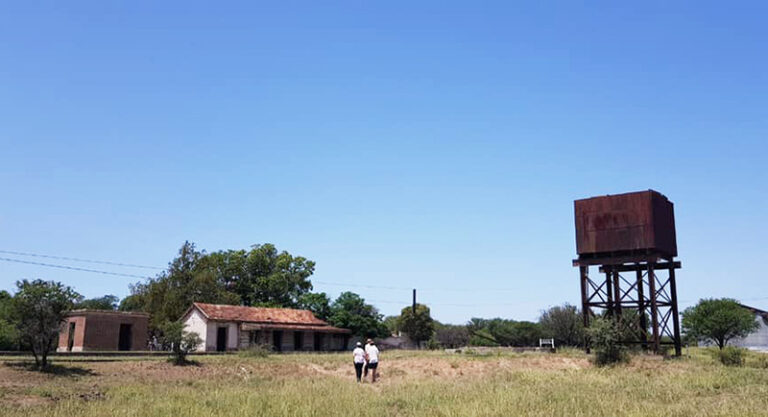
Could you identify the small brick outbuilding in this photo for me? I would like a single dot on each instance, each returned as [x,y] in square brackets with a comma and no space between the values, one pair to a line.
[103,330]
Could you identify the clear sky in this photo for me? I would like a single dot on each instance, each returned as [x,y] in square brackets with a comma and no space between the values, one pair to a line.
[438,146]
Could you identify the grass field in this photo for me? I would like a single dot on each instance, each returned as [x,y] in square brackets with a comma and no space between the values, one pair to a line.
[412,384]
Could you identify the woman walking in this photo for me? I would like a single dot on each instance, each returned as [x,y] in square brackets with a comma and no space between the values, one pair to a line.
[358,357]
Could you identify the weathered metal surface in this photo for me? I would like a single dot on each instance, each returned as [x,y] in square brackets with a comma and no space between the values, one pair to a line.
[617,295]
[625,224]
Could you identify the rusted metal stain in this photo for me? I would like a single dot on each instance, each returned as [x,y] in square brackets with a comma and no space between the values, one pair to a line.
[625,223]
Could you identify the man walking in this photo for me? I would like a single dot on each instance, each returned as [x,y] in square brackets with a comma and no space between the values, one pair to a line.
[372,356]
[358,358]
[365,368]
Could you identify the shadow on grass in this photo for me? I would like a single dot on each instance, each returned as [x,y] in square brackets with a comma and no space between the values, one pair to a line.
[52,369]
[187,362]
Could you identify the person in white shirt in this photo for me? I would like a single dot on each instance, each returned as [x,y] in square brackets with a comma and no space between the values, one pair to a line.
[372,357]
[365,368]
[358,357]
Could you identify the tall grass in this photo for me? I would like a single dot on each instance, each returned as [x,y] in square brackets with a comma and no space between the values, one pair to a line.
[279,386]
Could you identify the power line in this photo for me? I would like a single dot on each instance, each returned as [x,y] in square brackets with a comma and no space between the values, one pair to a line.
[65,258]
[74,268]
[341,284]
[385,287]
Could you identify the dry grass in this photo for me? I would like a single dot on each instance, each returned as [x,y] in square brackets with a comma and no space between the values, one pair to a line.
[412,384]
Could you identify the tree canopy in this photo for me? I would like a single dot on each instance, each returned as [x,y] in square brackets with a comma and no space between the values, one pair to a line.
[9,336]
[350,311]
[39,309]
[261,276]
[718,321]
[107,302]
[418,325]
[186,280]
[564,324]
[318,303]
[502,332]
[451,335]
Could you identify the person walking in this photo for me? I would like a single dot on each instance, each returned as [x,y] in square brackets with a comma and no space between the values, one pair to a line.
[365,368]
[358,358]
[372,356]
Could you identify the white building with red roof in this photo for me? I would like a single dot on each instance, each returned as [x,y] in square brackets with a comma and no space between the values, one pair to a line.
[226,327]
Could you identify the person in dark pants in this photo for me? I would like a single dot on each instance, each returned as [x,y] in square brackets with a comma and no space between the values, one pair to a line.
[368,344]
[358,358]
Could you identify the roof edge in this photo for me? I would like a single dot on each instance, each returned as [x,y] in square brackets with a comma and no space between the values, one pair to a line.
[84,311]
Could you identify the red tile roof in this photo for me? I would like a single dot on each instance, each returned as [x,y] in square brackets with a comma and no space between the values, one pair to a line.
[258,314]
[261,326]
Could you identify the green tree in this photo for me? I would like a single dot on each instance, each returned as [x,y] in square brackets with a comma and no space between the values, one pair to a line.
[479,334]
[451,335]
[39,308]
[107,302]
[718,320]
[418,325]
[525,333]
[136,301]
[503,332]
[318,303]
[564,324]
[182,341]
[263,276]
[350,311]
[187,280]
[392,323]
[9,336]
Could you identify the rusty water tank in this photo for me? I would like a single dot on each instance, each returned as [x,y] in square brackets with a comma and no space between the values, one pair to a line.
[625,224]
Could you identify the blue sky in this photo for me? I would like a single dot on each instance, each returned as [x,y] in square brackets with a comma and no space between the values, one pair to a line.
[436,146]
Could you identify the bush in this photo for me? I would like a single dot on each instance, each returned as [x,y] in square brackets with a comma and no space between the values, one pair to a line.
[181,341]
[255,351]
[605,339]
[760,362]
[732,356]
[433,344]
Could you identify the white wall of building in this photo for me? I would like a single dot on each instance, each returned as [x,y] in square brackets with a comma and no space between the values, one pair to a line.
[757,340]
[195,322]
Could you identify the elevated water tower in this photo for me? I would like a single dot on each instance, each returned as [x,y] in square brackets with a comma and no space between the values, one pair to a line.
[631,239]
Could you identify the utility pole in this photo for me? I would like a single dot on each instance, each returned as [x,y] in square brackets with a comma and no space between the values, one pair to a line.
[413,307]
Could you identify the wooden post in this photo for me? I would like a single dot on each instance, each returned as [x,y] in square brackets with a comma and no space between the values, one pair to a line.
[641,308]
[584,271]
[413,306]
[654,309]
[617,292]
[675,318]
[608,290]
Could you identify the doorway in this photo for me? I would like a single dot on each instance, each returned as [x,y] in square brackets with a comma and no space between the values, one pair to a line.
[298,341]
[125,339]
[277,340]
[318,342]
[221,339]
[71,340]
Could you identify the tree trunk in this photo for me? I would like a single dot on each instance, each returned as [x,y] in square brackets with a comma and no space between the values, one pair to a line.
[37,360]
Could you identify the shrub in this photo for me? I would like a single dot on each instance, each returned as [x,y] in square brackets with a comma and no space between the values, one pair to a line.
[605,341]
[256,351]
[433,344]
[181,341]
[760,362]
[732,356]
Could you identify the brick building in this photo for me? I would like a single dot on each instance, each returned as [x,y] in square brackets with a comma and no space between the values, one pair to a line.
[100,330]
[226,327]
